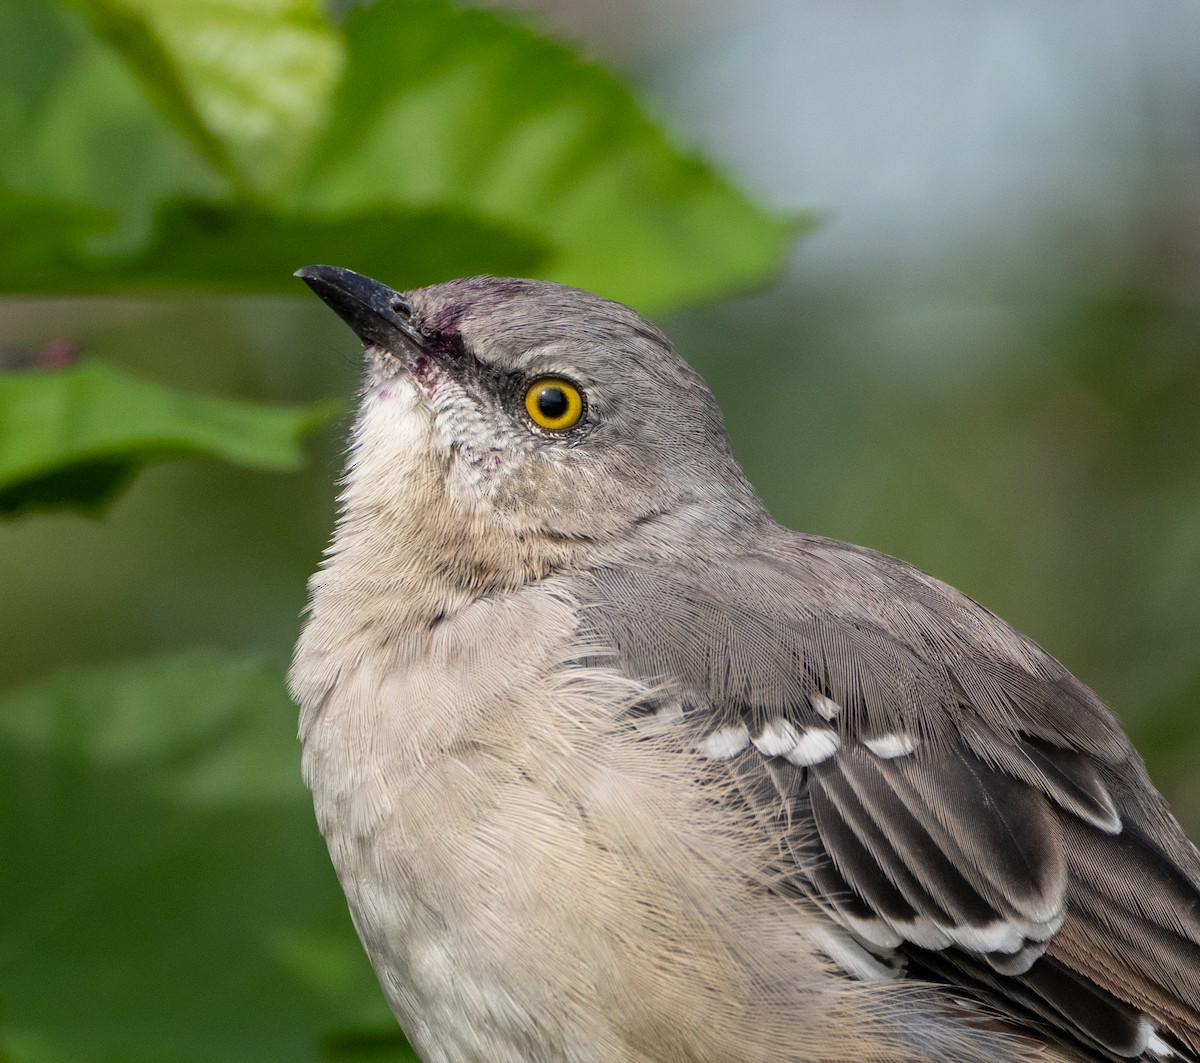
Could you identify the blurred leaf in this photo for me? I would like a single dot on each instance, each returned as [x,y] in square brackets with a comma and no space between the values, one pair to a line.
[35,42]
[78,128]
[74,437]
[167,897]
[224,247]
[476,112]
[243,82]
[177,143]
[41,237]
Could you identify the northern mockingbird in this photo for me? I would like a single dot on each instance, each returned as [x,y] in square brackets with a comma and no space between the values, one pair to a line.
[615,769]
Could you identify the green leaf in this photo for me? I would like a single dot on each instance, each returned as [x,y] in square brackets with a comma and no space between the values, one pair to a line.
[245,83]
[42,237]
[474,112]
[185,143]
[224,247]
[74,437]
[78,128]
[122,189]
[167,898]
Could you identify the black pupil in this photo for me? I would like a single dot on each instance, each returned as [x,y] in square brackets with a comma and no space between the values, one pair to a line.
[552,403]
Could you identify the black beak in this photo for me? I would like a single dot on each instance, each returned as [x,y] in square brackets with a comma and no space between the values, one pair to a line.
[379,316]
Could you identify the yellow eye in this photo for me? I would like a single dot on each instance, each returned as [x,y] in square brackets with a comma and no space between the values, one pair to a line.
[554,403]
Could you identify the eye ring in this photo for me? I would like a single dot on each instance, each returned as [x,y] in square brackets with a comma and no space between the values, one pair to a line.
[554,404]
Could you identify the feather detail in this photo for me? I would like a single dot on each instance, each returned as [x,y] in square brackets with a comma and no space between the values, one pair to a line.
[939,787]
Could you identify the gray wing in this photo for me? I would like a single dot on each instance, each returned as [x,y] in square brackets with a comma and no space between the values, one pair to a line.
[946,792]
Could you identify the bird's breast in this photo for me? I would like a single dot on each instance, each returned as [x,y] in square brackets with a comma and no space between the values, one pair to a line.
[436,757]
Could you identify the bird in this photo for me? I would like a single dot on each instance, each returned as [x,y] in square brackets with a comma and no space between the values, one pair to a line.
[614,768]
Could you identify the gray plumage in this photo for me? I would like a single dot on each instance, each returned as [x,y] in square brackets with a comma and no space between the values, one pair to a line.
[613,767]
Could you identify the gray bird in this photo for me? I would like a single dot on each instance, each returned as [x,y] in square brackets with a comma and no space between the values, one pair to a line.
[615,769]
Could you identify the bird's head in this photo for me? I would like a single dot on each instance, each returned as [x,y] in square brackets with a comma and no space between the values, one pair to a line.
[534,409]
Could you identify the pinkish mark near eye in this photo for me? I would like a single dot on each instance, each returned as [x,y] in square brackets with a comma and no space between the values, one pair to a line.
[495,460]
[385,394]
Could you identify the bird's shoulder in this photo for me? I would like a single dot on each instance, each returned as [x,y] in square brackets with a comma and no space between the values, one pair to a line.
[778,616]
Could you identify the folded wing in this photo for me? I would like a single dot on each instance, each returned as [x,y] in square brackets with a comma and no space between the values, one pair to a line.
[960,807]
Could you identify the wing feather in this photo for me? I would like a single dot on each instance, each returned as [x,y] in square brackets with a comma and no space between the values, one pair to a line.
[940,787]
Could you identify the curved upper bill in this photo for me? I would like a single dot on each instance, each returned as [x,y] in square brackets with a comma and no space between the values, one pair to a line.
[378,315]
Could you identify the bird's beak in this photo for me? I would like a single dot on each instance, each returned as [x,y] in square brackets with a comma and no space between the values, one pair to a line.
[379,316]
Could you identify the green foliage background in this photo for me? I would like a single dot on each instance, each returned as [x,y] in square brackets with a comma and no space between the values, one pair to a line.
[167,165]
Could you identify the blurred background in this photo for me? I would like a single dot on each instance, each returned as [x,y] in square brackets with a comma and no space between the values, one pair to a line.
[984,360]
